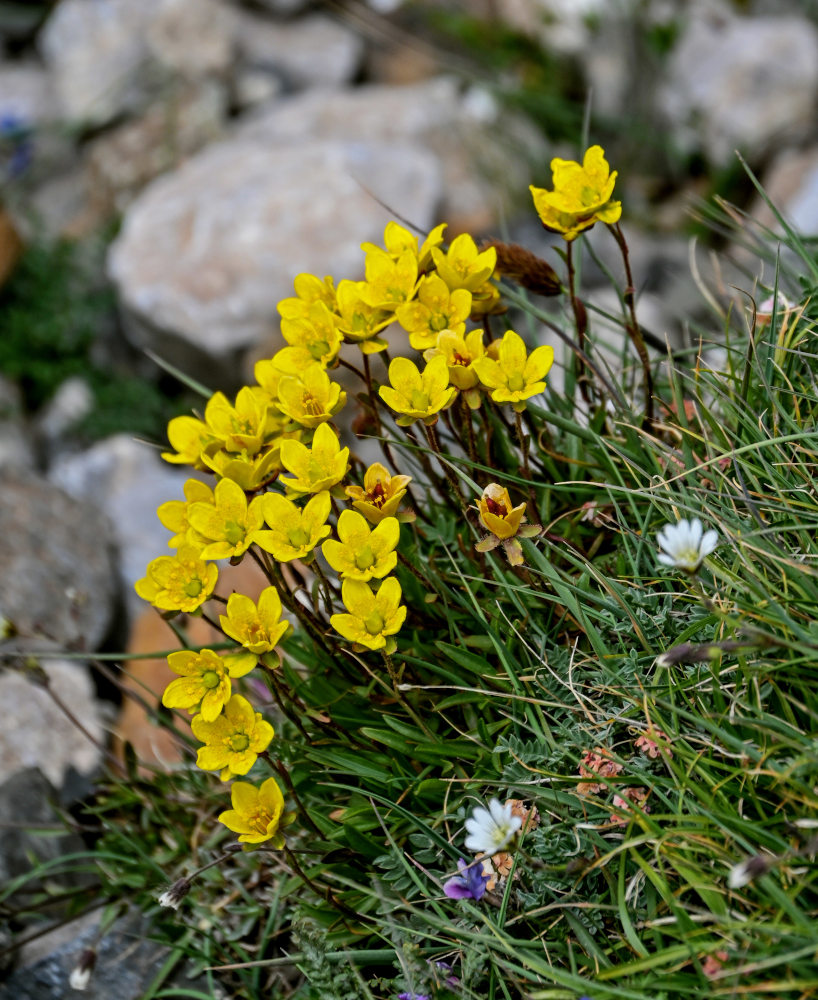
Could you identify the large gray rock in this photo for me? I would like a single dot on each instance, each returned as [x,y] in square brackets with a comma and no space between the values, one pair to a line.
[206,253]
[57,574]
[37,725]
[792,185]
[26,93]
[108,56]
[15,444]
[742,83]
[312,51]
[129,480]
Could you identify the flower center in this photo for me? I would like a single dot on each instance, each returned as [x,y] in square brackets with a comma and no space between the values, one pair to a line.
[234,532]
[312,406]
[193,588]
[365,558]
[298,537]
[318,348]
[239,742]
[377,495]
[374,623]
[458,359]
[419,400]
[496,507]
[516,382]
[210,679]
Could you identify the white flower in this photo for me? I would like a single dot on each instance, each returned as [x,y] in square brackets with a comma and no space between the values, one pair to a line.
[491,830]
[685,544]
[173,896]
[79,979]
[747,870]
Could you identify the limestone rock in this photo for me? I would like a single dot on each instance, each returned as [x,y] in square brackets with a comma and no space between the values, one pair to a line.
[57,576]
[206,253]
[15,446]
[37,726]
[129,481]
[122,160]
[792,185]
[747,83]
[312,51]
[108,56]
[26,93]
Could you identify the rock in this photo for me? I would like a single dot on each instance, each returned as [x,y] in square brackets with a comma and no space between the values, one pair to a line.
[15,446]
[26,93]
[129,481]
[558,25]
[108,57]
[284,8]
[313,51]
[57,574]
[122,160]
[127,962]
[37,725]
[252,87]
[746,83]
[206,253]
[72,401]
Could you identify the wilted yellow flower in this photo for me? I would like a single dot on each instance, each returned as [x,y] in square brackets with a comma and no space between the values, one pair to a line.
[389,282]
[308,289]
[363,552]
[293,533]
[398,241]
[188,436]
[434,309]
[380,495]
[372,617]
[313,337]
[460,354]
[181,582]
[311,398]
[258,629]
[316,468]
[233,740]
[504,522]
[203,684]
[515,376]
[173,515]
[228,522]
[257,812]
[358,321]
[417,396]
[581,195]
[463,266]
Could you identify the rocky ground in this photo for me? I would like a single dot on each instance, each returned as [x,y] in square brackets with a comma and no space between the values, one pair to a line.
[234,145]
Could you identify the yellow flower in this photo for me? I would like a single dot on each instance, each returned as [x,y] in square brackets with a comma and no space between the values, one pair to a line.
[435,309]
[243,427]
[581,195]
[514,377]
[359,322]
[233,740]
[293,533]
[504,523]
[174,515]
[372,617]
[363,552]
[316,468]
[389,282]
[460,354]
[181,582]
[258,629]
[312,398]
[380,495]
[228,523]
[203,684]
[308,289]
[188,436]
[398,241]
[463,266]
[312,337]
[257,812]
[249,471]
[417,396]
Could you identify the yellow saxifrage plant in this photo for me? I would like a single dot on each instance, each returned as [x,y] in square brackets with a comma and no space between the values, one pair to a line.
[581,195]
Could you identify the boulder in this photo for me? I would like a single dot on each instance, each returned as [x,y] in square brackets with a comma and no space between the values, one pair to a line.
[129,481]
[57,574]
[746,83]
[107,57]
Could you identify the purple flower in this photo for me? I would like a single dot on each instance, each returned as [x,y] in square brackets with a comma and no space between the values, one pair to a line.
[413,996]
[470,883]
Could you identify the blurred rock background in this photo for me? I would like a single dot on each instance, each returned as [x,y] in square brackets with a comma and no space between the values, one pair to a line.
[168,166]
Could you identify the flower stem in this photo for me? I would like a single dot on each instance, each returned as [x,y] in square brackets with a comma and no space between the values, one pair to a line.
[580,323]
[632,326]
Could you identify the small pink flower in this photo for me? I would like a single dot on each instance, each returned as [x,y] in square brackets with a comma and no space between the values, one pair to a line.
[652,742]
[625,803]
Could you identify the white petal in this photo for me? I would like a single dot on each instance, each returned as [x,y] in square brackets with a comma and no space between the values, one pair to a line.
[709,542]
